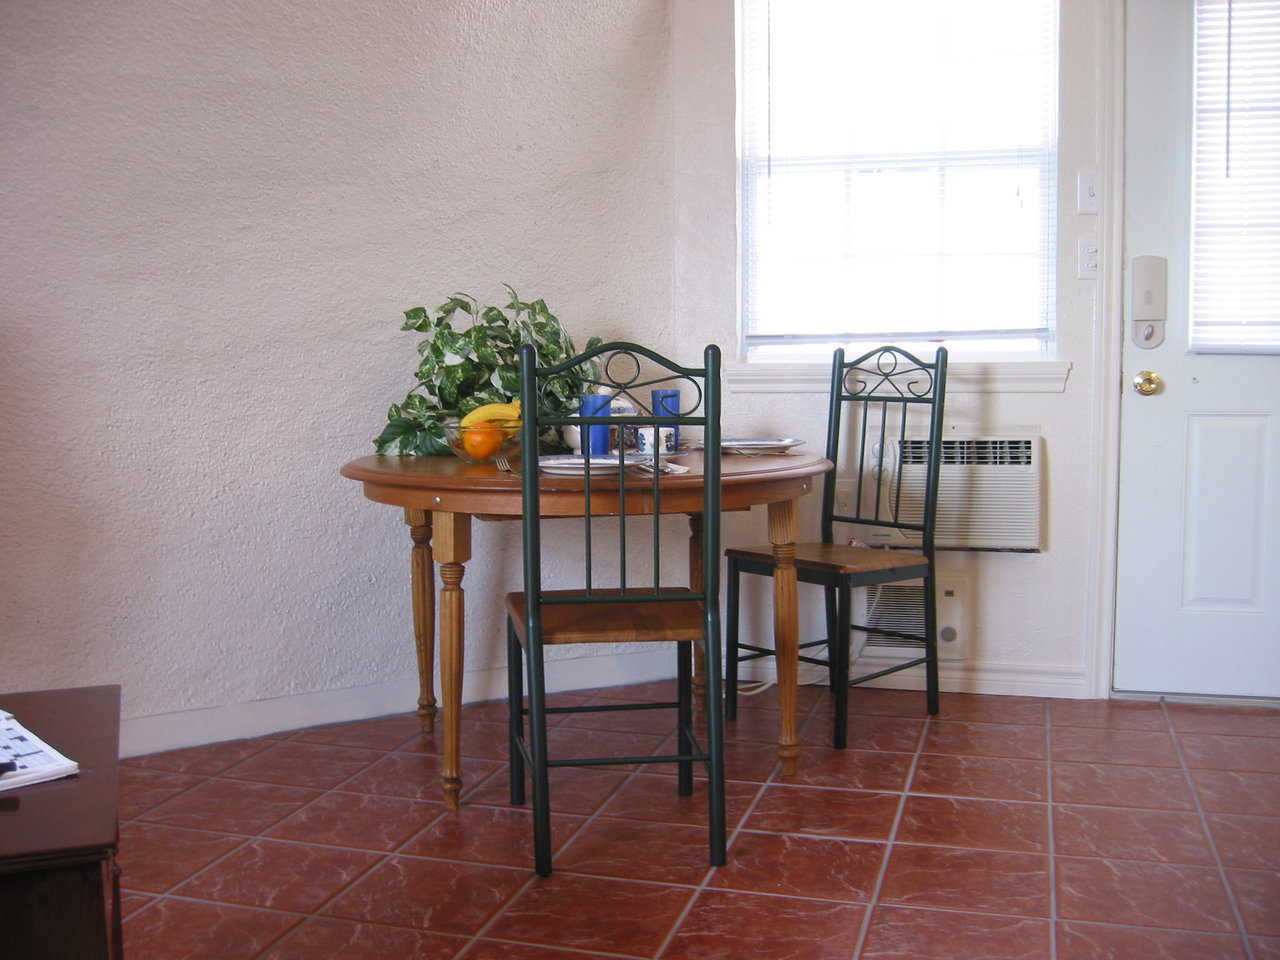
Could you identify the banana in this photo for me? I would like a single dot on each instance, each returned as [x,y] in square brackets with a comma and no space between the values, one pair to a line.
[509,413]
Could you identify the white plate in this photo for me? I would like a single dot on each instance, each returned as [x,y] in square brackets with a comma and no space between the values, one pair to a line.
[758,444]
[575,466]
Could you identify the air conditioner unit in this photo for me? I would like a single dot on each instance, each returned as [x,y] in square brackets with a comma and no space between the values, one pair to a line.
[989,492]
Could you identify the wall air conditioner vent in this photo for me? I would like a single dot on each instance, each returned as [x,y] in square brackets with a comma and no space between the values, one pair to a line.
[900,607]
[984,452]
[989,493]
[895,606]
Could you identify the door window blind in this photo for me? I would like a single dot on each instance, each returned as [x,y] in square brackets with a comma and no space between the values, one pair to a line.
[898,165]
[1235,222]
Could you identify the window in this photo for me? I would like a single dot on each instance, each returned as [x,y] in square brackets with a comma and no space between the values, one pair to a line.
[1235,207]
[899,171]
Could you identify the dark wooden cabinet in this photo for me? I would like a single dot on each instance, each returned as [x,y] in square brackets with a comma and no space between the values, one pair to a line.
[59,887]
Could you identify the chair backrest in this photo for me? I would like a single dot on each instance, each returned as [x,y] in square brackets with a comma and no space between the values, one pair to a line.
[630,371]
[894,397]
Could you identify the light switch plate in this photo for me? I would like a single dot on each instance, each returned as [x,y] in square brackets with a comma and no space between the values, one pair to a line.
[1087,192]
[1087,259]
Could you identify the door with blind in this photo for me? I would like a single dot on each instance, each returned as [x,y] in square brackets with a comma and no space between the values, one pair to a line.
[1198,591]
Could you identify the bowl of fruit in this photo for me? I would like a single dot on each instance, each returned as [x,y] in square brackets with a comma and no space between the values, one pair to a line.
[485,433]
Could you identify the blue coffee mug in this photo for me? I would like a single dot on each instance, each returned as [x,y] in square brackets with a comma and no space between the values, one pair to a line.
[595,439]
[666,403]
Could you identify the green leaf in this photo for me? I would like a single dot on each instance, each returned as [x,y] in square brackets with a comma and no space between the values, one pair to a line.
[487,354]
[459,301]
[416,318]
[415,405]
[507,380]
[394,433]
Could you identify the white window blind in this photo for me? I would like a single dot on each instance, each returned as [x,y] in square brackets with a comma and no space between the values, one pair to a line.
[898,173]
[1235,223]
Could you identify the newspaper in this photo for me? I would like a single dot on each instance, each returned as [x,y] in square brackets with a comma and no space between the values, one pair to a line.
[26,759]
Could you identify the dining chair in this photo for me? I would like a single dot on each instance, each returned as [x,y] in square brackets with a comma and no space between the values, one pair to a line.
[893,402]
[616,604]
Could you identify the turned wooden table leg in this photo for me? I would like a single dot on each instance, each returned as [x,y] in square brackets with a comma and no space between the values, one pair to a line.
[452,540]
[786,626]
[695,584]
[423,575]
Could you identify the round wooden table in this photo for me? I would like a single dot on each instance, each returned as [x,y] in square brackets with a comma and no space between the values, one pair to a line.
[440,495]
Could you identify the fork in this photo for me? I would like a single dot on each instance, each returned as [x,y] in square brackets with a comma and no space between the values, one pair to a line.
[663,467]
[503,464]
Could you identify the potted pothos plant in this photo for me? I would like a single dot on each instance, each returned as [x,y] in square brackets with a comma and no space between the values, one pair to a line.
[462,368]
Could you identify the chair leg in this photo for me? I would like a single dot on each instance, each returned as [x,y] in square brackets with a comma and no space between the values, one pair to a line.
[515,712]
[829,595]
[731,639]
[538,754]
[715,742]
[840,665]
[684,717]
[931,643]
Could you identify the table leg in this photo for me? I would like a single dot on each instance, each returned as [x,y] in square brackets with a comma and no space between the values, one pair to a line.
[452,541]
[423,578]
[786,625]
[695,584]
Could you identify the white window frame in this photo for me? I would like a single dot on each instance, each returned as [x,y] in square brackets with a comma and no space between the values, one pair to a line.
[1023,371]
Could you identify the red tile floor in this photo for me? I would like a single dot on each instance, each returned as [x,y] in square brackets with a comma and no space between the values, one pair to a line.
[1005,827]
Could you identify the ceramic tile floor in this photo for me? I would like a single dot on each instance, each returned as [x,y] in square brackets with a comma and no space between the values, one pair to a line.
[1005,827]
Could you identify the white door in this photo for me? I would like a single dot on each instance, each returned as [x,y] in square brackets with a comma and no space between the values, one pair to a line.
[1198,591]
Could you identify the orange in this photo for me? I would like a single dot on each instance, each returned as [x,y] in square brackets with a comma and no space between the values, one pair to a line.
[482,442]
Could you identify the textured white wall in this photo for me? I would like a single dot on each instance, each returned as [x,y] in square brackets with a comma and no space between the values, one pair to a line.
[214,213]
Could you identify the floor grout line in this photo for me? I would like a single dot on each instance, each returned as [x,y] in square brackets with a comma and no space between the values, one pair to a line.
[572,951]
[381,857]
[582,828]
[1208,834]
[729,841]
[1050,841]
[888,846]
[706,879]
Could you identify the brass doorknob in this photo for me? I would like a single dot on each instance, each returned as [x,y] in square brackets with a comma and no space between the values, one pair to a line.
[1147,382]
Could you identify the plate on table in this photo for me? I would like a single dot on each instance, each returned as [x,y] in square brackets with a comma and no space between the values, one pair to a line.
[572,465]
[758,445]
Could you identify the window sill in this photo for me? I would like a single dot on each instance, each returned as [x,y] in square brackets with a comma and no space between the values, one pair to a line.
[1010,376]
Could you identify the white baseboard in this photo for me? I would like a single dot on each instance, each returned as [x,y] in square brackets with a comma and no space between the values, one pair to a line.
[189,728]
[1009,679]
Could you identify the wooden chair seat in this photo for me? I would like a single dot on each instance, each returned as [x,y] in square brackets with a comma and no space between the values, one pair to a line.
[657,621]
[836,558]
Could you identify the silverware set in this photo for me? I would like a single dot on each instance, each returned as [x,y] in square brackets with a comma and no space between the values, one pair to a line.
[504,466]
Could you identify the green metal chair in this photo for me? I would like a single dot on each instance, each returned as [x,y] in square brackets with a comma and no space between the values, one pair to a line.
[623,611]
[882,390]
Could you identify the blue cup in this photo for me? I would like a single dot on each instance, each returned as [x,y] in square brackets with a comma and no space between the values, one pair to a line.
[666,403]
[595,439]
